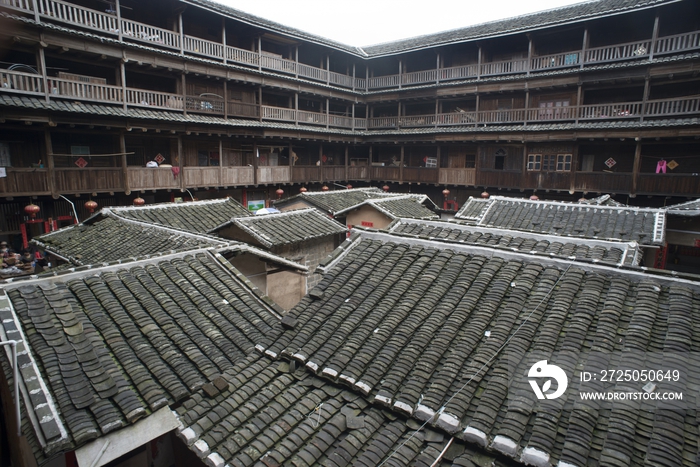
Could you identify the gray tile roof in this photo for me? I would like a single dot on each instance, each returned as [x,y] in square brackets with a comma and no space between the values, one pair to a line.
[113,238]
[689,208]
[623,223]
[419,327]
[332,202]
[290,227]
[398,206]
[274,415]
[577,13]
[197,216]
[612,253]
[106,347]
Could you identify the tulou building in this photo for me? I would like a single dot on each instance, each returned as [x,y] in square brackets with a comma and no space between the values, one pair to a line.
[598,97]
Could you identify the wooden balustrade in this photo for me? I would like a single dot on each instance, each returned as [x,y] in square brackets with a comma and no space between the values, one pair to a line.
[678,184]
[499,178]
[383,122]
[306,173]
[238,109]
[605,111]
[385,174]
[24,182]
[457,176]
[664,107]
[546,180]
[65,12]
[312,118]
[85,91]
[26,83]
[603,182]
[204,47]
[274,174]
[420,175]
[278,113]
[151,178]
[333,173]
[358,172]
[202,176]
[69,180]
[161,100]
[212,105]
[237,176]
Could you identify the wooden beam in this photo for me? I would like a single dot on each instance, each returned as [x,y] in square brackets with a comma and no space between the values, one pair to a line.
[48,146]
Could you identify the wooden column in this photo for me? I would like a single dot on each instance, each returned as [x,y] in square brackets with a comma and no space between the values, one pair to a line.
[398,118]
[320,162]
[645,97]
[296,108]
[579,97]
[347,155]
[437,68]
[574,164]
[654,36]
[51,175]
[223,38]
[296,61]
[291,162]
[529,54]
[221,162]
[635,167]
[400,74]
[328,113]
[182,34]
[523,176]
[181,163]
[184,94]
[401,164]
[255,163]
[369,165]
[122,73]
[527,105]
[226,99]
[367,79]
[125,167]
[478,64]
[117,6]
[437,111]
[35,7]
[328,69]
[259,53]
[352,123]
[353,76]
[41,60]
[260,111]
[584,47]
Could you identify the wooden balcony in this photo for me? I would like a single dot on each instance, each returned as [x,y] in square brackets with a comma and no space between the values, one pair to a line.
[146,178]
[499,178]
[385,174]
[69,180]
[334,173]
[359,172]
[603,182]
[461,177]
[420,175]
[25,182]
[99,22]
[546,180]
[678,184]
[306,173]
[278,174]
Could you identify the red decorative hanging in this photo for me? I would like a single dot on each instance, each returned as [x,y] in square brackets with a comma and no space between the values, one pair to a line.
[324,188]
[485,194]
[445,192]
[349,187]
[139,201]
[91,206]
[534,198]
[385,188]
[279,192]
[32,210]
[582,200]
[303,189]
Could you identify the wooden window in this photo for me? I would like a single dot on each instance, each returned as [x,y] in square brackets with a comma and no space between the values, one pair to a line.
[549,163]
[80,150]
[563,162]
[534,162]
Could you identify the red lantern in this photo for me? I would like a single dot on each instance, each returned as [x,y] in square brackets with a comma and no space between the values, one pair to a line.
[582,200]
[279,192]
[91,206]
[32,210]
[445,192]
[302,189]
[139,201]
[349,187]
[485,194]
[534,198]
[385,188]
[324,188]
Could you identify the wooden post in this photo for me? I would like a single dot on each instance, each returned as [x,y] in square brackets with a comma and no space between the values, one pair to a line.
[437,111]
[478,64]
[437,68]
[182,34]
[117,6]
[574,164]
[529,54]
[223,38]
[259,53]
[527,105]
[400,73]
[328,69]
[51,175]
[654,36]
[347,170]
[327,112]
[181,163]
[367,78]
[523,177]
[291,162]
[42,71]
[645,97]
[35,6]
[579,96]
[635,167]
[226,99]
[125,167]
[122,71]
[296,61]
[584,46]
[352,123]
[184,94]
[320,162]
[260,103]
[368,175]
[353,76]
[296,108]
[255,163]
[221,162]
[401,164]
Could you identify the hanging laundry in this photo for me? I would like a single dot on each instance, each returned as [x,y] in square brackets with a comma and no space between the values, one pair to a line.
[661,166]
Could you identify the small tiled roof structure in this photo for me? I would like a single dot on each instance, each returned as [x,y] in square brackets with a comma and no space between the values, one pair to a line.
[602,200]
[623,223]
[111,238]
[285,228]
[398,206]
[428,329]
[291,417]
[588,250]
[689,208]
[332,202]
[103,348]
[196,216]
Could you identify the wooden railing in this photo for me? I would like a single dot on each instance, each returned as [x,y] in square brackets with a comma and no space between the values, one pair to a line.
[64,12]
[142,178]
[21,182]
[160,100]
[236,176]
[678,184]
[25,83]
[388,174]
[306,173]
[274,174]
[603,182]
[213,105]
[85,91]
[333,173]
[460,176]
[358,172]
[420,175]
[91,180]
